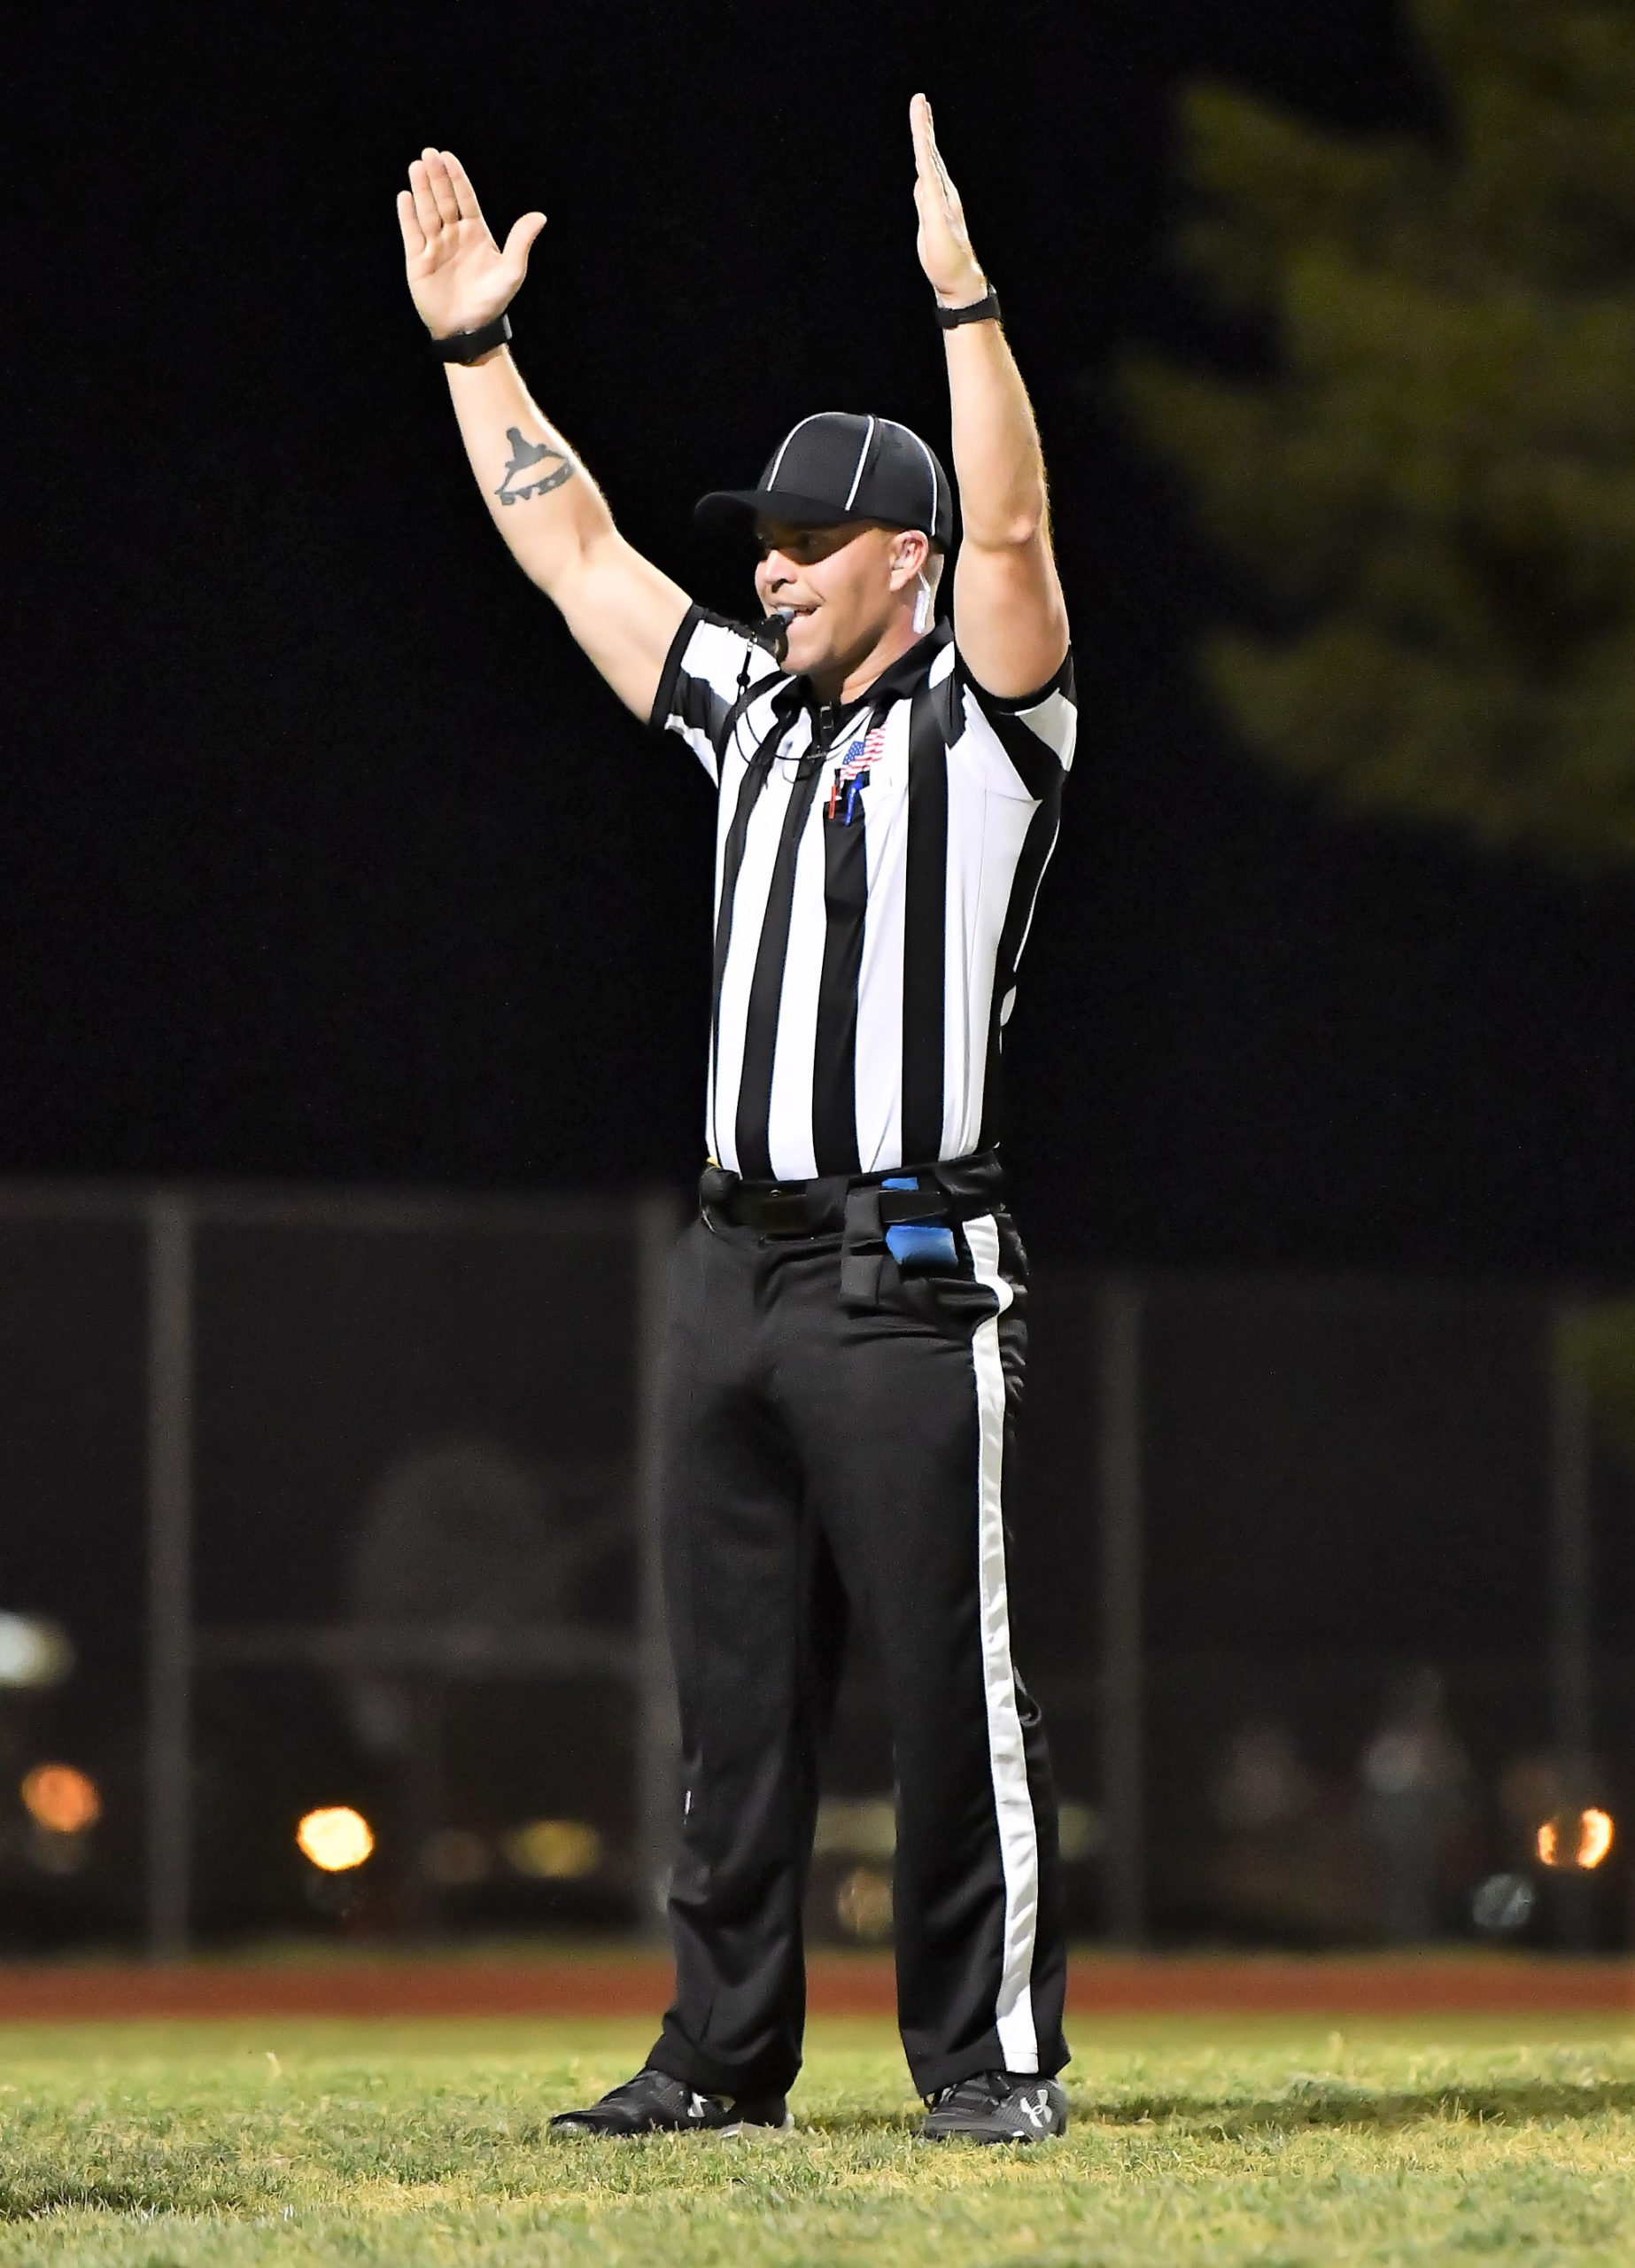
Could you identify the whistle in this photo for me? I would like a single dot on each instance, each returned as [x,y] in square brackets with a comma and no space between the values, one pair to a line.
[772,632]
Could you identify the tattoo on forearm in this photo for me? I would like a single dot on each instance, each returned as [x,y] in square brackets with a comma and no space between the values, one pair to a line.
[535,468]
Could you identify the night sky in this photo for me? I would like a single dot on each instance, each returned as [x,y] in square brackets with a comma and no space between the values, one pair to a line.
[325,854]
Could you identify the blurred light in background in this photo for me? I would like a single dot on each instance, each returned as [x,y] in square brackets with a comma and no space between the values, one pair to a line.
[555,1850]
[863,1905]
[1503,1903]
[855,1828]
[1081,1831]
[336,1839]
[1576,1838]
[60,1799]
[34,1651]
[850,1827]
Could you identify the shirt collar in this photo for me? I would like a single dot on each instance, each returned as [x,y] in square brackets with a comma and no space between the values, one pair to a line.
[896,682]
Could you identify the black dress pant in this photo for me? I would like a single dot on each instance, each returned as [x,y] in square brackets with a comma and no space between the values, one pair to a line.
[821,1455]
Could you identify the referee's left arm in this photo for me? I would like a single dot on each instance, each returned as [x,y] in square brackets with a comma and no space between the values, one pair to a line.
[620,607]
[1010,617]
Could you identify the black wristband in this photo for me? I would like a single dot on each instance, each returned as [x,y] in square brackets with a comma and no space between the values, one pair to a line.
[466,345]
[983,310]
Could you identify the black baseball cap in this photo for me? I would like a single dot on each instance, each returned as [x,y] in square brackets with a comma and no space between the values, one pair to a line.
[836,467]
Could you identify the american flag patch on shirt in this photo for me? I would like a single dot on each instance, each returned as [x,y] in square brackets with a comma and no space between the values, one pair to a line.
[850,781]
[862,753]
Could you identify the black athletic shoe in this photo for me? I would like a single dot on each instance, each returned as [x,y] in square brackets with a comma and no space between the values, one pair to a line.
[654,2103]
[996,2106]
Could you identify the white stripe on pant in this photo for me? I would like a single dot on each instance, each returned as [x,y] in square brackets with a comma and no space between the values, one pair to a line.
[1013,1808]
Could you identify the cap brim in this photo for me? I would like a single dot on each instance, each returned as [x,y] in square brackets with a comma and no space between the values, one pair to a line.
[723,504]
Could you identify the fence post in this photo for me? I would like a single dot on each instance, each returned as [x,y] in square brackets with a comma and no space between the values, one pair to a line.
[1120,1492]
[169,1573]
[1571,1643]
[658,1735]
[1571,1671]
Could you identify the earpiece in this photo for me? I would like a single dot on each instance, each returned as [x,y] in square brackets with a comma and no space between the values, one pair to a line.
[925,601]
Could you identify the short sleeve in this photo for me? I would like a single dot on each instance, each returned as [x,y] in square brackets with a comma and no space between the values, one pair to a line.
[1038,732]
[700,681]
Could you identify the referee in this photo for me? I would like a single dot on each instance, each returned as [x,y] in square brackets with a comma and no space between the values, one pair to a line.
[846,1338]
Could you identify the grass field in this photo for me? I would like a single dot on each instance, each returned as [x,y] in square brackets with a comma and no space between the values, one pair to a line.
[156,2145]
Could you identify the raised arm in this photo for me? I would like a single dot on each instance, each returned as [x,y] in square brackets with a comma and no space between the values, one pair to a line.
[1010,618]
[619,606]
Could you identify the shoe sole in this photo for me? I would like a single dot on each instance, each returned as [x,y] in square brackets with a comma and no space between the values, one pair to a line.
[992,2141]
[747,2130]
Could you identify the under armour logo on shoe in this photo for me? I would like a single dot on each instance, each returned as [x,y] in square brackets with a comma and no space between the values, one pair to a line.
[1037,2114]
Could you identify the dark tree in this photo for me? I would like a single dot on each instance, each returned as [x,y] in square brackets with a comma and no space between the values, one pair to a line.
[1433,479]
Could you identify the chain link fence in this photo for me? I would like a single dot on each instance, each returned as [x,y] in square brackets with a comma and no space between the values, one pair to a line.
[341,1500]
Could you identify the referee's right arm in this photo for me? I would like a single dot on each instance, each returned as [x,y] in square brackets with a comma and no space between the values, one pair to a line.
[619,606]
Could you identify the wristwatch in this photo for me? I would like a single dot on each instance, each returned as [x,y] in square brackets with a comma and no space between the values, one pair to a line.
[983,310]
[466,345]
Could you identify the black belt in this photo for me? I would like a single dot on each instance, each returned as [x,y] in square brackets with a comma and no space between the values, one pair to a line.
[955,1189]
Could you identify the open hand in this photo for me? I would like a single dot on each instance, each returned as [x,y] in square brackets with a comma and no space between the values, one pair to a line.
[944,246]
[459,278]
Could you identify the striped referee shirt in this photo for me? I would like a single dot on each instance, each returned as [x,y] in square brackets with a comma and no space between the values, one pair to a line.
[876,869]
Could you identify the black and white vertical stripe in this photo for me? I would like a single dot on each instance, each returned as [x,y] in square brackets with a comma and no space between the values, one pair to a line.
[864,972]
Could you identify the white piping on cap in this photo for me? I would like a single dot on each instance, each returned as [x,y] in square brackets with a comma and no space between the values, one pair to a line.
[863,458]
[771,478]
[931,467]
